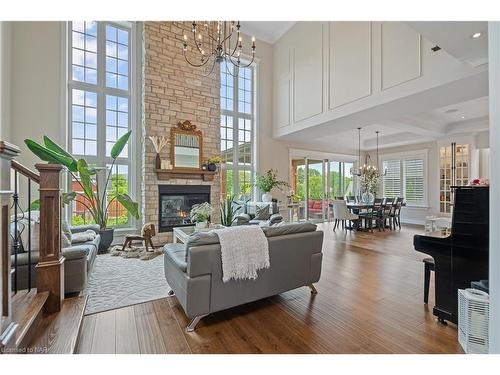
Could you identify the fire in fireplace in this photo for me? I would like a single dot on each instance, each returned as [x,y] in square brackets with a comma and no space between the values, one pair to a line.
[175,204]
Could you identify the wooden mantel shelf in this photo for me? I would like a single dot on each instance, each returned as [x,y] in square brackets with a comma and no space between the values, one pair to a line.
[185,173]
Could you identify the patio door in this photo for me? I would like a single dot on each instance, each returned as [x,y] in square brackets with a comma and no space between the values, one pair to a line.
[317,183]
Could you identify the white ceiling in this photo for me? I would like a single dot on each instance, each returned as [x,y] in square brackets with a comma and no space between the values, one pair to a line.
[418,128]
[267,31]
[455,37]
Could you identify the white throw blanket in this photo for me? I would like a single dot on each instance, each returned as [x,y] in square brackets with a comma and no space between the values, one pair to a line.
[244,251]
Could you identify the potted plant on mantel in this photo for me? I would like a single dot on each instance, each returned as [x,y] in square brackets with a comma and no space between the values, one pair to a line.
[268,182]
[212,163]
[94,197]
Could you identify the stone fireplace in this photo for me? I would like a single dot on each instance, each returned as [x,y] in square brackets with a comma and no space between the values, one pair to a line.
[175,203]
[174,91]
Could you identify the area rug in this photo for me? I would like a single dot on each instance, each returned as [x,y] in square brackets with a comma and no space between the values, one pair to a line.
[138,252]
[116,282]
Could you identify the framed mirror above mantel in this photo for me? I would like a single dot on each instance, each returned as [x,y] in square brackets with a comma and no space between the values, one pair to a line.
[186,154]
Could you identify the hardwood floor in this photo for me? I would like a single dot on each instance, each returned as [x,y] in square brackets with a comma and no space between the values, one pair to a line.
[370,300]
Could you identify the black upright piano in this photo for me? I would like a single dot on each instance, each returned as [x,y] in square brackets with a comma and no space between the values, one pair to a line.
[461,256]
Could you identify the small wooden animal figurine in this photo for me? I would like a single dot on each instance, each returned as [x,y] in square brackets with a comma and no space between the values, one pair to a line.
[148,231]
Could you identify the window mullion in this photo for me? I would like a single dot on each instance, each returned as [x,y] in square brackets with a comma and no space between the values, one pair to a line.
[236,176]
[101,98]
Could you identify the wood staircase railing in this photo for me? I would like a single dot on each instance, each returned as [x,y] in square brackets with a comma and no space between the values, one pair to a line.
[15,328]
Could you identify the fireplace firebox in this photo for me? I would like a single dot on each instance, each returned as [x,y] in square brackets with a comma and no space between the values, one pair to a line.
[175,202]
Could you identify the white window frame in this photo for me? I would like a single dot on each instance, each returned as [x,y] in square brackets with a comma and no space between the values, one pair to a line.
[235,114]
[418,154]
[101,90]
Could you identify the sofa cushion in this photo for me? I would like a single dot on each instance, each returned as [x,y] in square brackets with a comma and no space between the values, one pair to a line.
[176,252]
[202,238]
[262,213]
[76,252]
[291,228]
[67,231]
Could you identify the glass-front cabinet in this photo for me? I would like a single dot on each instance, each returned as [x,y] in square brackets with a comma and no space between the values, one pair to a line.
[454,161]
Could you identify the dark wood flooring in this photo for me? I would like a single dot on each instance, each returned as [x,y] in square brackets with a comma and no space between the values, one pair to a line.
[370,300]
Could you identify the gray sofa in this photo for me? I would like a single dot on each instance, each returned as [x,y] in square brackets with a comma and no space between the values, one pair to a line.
[194,270]
[248,210]
[79,259]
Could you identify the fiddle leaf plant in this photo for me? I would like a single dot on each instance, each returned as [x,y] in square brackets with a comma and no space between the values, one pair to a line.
[93,196]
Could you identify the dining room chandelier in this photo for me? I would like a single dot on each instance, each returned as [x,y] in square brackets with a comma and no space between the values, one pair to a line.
[216,42]
[366,167]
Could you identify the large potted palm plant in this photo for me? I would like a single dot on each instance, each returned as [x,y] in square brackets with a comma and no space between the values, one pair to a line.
[94,197]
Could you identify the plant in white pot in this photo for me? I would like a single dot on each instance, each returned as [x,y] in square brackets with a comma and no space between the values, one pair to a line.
[268,182]
[200,214]
[96,198]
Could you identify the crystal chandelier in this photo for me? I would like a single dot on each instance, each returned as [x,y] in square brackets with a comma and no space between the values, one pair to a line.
[217,42]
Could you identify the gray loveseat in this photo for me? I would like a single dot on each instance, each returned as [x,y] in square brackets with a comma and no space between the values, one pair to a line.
[194,270]
[79,259]
[246,214]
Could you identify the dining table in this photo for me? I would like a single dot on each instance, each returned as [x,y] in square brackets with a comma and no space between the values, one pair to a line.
[355,208]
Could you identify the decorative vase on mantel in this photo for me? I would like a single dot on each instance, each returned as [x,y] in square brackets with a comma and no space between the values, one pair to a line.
[158,161]
[267,197]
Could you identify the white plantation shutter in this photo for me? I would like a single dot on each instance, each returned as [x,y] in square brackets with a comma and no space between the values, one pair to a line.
[414,180]
[392,179]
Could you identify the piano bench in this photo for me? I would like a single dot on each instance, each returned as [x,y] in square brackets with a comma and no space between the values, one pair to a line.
[428,267]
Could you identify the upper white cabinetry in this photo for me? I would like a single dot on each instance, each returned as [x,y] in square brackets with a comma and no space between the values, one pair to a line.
[328,71]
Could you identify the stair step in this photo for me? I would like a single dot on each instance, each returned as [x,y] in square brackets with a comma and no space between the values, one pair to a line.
[57,333]
[27,310]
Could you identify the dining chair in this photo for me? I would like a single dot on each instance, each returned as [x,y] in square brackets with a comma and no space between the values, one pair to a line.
[341,213]
[396,213]
[373,213]
[388,211]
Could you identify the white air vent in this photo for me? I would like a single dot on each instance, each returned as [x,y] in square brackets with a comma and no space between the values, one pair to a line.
[473,318]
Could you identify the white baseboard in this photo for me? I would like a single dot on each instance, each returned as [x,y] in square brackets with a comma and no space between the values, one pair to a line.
[412,221]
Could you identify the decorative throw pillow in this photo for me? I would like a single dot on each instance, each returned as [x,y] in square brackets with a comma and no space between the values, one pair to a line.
[262,213]
[67,231]
[65,242]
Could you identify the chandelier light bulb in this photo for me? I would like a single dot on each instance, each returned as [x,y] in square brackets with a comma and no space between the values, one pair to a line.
[185,37]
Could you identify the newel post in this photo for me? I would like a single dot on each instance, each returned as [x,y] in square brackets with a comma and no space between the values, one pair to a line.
[50,267]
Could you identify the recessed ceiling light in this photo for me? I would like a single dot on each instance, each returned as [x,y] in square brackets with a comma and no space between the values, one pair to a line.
[476,35]
[463,117]
[452,110]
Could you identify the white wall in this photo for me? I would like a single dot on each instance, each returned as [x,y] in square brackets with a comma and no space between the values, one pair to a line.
[5,80]
[336,74]
[479,167]
[272,153]
[494,274]
[37,92]
[416,215]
